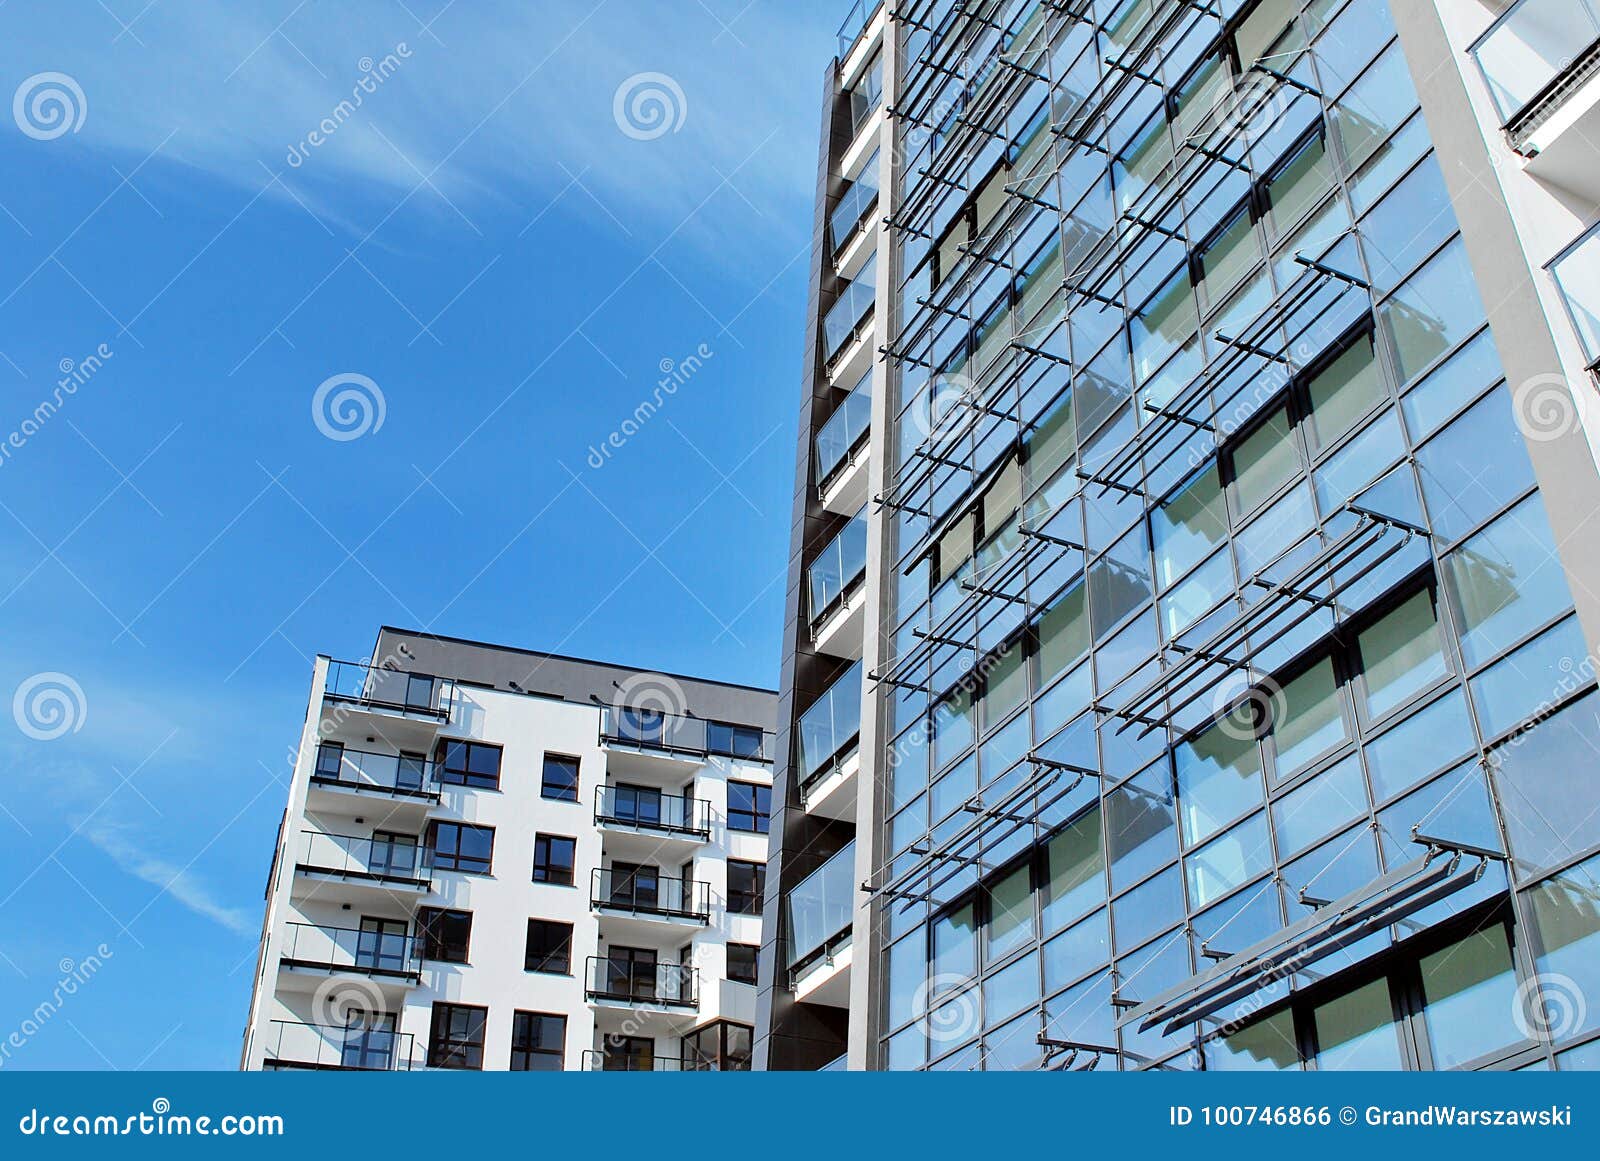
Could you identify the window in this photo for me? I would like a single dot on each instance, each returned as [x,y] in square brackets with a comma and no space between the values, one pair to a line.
[749,807]
[742,959]
[460,846]
[734,741]
[1357,1031]
[1263,463]
[1470,989]
[628,1054]
[1307,718]
[456,1040]
[1402,654]
[719,1047]
[473,764]
[538,1042]
[446,935]
[560,778]
[330,761]
[549,947]
[553,856]
[746,884]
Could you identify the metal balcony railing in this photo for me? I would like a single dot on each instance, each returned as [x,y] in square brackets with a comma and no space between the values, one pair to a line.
[647,891]
[394,859]
[845,430]
[645,809]
[1533,43]
[624,980]
[830,730]
[620,1060]
[846,317]
[373,687]
[855,24]
[1577,273]
[400,775]
[821,907]
[377,953]
[369,1044]
[838,569]
[681,735]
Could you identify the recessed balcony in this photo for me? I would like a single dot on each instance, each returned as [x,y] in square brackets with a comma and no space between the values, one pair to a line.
[836,588]
[640,902]
[828,759]
[818,914]
[382,867]
[646,821]
[369,1043]
[341,777]
[668,749]
[405,709]
[630,984]
[847,327]
[311,954]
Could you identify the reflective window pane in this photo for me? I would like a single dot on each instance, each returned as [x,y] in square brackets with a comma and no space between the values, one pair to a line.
[1546,782]
[1357,1032]
[1219,779]
[1471,994]
[1566,909]
[1402,654]
[1308,718]
[1506,581]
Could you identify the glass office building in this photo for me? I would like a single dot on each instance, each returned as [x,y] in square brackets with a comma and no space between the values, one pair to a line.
[1189,654]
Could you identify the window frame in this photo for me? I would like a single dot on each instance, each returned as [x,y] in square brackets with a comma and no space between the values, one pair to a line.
[431,939]
[545,784]
[464,775]
[453,860]
[523,1052]
[747,901]
[543,842]
[557,951]
[759,816]
[448,1050]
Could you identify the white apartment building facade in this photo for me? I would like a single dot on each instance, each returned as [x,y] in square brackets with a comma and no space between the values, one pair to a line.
[498,859]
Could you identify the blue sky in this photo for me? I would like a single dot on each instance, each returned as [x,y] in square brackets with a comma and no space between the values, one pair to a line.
[509,254]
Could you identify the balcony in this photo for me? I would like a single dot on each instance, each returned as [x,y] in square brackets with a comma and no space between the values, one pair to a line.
[625,982]
[369,1044]
[638,902]
[340,776]
[405,709]
[647,743]
[847,224]
[848,322]
[1577,273]
[643,820]
[370,867]
[856,23]
[623,1060]
[819,913]
[390,961]
[841,447]
[1541,63]
[836,588]
[828,759]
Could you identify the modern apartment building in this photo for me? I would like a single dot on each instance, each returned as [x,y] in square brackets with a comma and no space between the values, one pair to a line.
[1193,584]
[499,859]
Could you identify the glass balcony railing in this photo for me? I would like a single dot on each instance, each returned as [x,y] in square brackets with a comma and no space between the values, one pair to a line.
[1532,44]
[390,690]
[397,858]
[854,205]
[625,979]
[844,430]
[368,1044]
[393,953]
[845,317]
[396,774]
[837,1064]
[831,728]
[1578,274]
[821,906]
[838,568]
[865,97]
[681,735]
[647,891]
[855,23]
[644,808]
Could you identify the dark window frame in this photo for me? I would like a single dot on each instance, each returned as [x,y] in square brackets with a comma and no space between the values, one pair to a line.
[747,901]
[449,1047]
[561,790]
[754,956]
[528,1047]
[556,952]
[436,945]
[453,859]
[547,871]
[454,761]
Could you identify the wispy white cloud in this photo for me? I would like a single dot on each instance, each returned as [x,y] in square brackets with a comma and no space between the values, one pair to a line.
[499,104]
[129,848]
